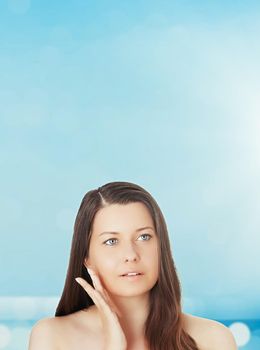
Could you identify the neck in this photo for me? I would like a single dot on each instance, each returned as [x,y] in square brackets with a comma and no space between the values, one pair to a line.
[132,315]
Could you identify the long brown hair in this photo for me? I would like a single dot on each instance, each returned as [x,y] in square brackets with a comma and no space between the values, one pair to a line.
[164,325]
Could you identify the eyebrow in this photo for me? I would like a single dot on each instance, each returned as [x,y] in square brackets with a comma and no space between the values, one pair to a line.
[117,233]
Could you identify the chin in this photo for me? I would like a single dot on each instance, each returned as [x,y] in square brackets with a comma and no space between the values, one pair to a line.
[132,291]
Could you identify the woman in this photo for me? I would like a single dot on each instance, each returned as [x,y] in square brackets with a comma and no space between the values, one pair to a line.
[122,291]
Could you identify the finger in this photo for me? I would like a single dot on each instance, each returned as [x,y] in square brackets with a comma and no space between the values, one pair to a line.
[95,279]
[104,305]
[95,295]
[98,285]
[89,289]
[85,285]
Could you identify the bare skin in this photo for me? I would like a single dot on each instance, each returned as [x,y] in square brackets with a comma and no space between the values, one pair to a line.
[82,330]
[111,255]
[129,246]
[120,305]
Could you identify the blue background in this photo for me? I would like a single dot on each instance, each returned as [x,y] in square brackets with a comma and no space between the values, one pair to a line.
[161,93]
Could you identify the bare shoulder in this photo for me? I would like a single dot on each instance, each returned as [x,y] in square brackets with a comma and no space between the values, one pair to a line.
[42,335]
[78,330]
[209,334]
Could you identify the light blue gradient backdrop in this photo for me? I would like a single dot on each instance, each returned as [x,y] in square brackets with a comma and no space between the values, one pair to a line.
[164,94]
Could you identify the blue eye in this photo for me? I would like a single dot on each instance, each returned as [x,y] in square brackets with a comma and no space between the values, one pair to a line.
[111,239]
[146,234]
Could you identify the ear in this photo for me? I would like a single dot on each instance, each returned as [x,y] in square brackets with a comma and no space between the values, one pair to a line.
[87,263]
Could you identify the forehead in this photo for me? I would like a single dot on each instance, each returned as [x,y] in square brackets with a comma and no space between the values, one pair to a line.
[122,217]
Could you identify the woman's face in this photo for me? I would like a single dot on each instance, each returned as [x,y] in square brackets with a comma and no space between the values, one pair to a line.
[112,255]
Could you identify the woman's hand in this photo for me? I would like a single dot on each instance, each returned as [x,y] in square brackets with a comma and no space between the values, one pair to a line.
[114,336]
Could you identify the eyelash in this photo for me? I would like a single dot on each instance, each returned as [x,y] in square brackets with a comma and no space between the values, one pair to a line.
[144,234]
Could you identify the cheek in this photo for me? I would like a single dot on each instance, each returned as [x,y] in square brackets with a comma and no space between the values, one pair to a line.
[153,263]
[108,271]
[107,265]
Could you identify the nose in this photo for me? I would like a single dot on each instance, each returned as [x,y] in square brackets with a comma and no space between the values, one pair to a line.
[130,253]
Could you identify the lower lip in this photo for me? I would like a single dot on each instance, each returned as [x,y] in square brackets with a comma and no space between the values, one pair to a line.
[132,278]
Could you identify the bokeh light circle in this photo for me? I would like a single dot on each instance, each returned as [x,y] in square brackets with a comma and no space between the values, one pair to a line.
[5,336]
[241,333]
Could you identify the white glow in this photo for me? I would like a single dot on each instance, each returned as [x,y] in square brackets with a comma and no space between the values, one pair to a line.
[241,333]
[5,336]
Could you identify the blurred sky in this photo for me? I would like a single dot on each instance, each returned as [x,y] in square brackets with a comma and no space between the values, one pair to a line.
[161,93]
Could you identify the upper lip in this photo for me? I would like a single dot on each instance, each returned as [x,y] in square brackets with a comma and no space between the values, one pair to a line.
[125,273]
